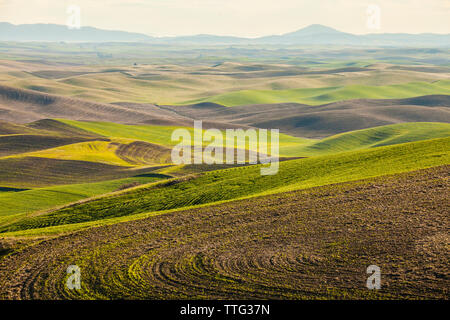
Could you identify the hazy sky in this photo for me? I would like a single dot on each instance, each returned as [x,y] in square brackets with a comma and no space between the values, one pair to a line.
[249,18]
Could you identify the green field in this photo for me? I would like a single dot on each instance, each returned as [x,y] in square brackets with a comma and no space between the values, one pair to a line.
[155,134]
[242,182]
[370,138]
[26,202]
[87,176]
[169,77]
[289,146]
[95,151]
[319,96]
[161,134]
[104,152]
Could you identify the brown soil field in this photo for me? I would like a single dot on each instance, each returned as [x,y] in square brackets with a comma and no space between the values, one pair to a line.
[252,72]
[15,144]
[307,244]
[325,120]
[36,172]
[23,106]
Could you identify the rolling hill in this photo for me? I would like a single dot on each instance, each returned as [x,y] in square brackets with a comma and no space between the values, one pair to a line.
[35,172]
[307,244]
[116,151]
[113,152]
[21,143]
[318,96]
[131,145]
[25,202]
[87,178]
[22,106]
[229,184]
[289,146]
[328,119]
[371,138]
[318,121]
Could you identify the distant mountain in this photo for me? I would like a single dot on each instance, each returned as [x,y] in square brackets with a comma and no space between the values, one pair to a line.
[313,29]
[315,34]
[322,35]
[54,32]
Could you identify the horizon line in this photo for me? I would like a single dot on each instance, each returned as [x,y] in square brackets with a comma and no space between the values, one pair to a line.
[223,35]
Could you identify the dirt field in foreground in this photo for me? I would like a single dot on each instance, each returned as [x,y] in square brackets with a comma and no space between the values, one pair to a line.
[313,243]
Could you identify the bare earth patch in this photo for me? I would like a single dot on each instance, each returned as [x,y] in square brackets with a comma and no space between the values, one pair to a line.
[307,244]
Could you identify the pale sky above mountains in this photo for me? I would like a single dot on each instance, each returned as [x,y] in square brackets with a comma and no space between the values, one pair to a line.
[246,18]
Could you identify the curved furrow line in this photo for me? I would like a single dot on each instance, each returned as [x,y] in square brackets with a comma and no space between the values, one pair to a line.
[297,247]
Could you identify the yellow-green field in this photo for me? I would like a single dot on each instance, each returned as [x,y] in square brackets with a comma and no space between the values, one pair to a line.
[225,185]
[96,151]
[134,152]
[227,83]
[87,176]
[319,96]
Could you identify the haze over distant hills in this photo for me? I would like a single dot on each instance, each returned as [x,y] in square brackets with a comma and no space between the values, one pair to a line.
[21,106]
[312,35]
[55,32]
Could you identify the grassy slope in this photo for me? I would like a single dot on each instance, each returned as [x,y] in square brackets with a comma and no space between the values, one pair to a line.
[44,198]
[155,134]
[281,246]
[170,84]
[94,151]
[158,134]
[290,146]
[33,172]
[372,137]
[20,143]
[229,184]
[115,151]
[317,96]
